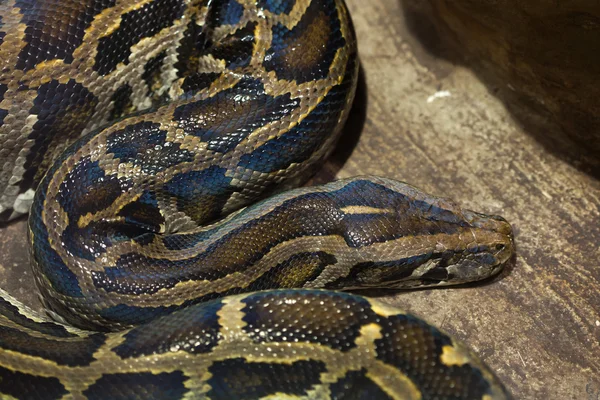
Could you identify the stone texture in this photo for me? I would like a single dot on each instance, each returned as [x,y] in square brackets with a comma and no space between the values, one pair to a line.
[426,120]
[546,53]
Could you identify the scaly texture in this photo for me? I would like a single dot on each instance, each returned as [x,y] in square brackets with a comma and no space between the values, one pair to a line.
[286,344]
[213,105]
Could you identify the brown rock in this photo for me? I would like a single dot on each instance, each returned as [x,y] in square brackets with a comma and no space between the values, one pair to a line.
[546,53]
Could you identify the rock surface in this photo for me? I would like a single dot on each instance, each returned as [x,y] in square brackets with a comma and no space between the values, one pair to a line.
[546,52]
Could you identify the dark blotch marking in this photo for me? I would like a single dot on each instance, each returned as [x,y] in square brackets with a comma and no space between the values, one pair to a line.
[143,214]
[355,385]
[76,352]
[306,52]
[152,73]
[136,274]
[144,145]
[141,220]
[300,142]
[376,274]
[12,313]
[134,140]
[225,119]
[63,111]
[50,263]
[236,49]
[93,239]
[228,12]
[144,22]
[87,189]
[132,315]
[296,271]
[277,6]
[192,45]
[122,104]
[316,321]
[200,194]
[197,82]
[415,348]
[194,330]
[439,273]
[55,28]
[25,386]
[238,379]
[141,385]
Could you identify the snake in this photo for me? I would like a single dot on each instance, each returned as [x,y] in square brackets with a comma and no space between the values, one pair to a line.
[160,148]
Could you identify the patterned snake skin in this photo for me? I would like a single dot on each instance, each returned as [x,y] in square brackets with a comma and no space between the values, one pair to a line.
[153,132]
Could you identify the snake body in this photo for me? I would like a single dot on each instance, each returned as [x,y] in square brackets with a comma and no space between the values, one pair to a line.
[153,132]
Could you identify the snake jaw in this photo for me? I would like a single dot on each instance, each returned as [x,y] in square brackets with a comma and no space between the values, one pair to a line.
[481,250]
[498,235]
[486,256]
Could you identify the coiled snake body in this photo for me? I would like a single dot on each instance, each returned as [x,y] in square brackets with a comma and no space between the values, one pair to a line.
[145,242]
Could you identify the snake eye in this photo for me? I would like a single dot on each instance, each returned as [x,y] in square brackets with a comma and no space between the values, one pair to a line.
[500,246]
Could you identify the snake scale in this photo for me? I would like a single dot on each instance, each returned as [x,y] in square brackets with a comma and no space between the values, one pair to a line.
[163,140]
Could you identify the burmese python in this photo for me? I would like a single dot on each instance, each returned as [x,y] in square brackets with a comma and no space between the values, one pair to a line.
[189,111]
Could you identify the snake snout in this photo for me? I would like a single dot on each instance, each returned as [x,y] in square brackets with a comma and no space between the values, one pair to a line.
[504,243]
[496,232]
[493,223]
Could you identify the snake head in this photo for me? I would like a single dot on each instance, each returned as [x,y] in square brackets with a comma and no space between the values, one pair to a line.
[478,250]
[406,239]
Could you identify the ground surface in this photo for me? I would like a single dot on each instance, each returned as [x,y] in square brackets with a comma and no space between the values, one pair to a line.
[434,124]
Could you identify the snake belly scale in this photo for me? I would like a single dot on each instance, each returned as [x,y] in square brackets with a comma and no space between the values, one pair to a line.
[162,140]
